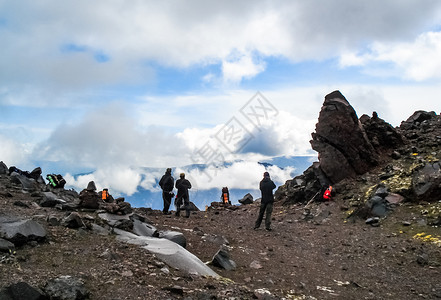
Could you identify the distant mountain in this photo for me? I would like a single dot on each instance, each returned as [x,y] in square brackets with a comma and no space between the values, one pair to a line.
[203,197]
[300,163]
[200,197]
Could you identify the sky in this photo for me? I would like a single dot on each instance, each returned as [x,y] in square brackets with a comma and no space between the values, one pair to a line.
[112,87]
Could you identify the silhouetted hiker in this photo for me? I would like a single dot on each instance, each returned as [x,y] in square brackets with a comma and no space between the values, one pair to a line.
[183,185]
[225,197]
[266,204]
[166,184]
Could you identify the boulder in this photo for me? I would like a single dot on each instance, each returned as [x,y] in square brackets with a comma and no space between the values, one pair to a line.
[53,220]
[169,252]
[426,182]
[303,188]
[21,232]
[49,199]
[192,207]
[73,220]
[91,186]
[222,260]
[99,229]
[394,198]
[343,147]
[247,199]
[119,207]
[144,229]
[174,236]
[416,119]
[3,168]
[36,175]
[379,208]
[381,134]
[21,291]
[123,222]
[89,198]
[27,184]
[66,288]
[6,246]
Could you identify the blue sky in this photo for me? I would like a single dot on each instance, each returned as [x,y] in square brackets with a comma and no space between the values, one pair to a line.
[114,85]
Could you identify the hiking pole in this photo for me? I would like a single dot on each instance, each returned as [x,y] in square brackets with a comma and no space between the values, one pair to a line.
[309,202]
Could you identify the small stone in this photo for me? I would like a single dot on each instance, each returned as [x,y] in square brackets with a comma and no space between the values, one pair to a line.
[255,265]
[127,273]
[372,220]
[423,259]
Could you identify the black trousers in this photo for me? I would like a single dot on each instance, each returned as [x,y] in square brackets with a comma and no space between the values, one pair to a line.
[166,196]
[268,208]
[183,199]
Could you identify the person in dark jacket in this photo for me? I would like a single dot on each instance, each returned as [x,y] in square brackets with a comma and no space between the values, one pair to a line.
[166,184]
[266,204]
[183,185]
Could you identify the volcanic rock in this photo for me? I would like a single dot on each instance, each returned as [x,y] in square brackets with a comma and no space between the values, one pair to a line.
[144,229]
[66,288]
[247,199]
[27,184]
[3,168]
[222,260]
[6,246]
[343,146]
[21,290]
[426,182]
[381,134]
[174,236]
[20,232]
[73,220]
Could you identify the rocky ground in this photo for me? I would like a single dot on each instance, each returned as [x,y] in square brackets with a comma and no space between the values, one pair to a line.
[314,253]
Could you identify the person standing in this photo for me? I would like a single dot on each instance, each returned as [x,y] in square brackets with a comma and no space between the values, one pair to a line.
[166,184]
[183,185]
[266,204]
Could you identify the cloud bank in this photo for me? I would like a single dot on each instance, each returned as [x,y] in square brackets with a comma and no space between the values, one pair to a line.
[112,42]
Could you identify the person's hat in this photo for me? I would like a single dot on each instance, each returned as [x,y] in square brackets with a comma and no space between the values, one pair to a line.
[266,174]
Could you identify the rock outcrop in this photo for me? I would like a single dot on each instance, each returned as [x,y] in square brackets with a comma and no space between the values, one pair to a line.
[19,231]
[347,147]
[343,147]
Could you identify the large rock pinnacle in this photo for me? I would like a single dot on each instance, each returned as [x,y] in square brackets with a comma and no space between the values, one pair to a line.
[343,146]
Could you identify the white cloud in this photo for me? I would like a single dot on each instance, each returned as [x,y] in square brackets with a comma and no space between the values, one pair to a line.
[13,153]
[286,134]
[119,179]
[132,35]
[238,68]
[419,60]
[238,175]
[109,136]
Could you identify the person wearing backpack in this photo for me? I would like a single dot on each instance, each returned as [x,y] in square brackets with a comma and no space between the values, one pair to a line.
[225,197]
[327,194]
[166,184]
[183,185]
[266,204]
